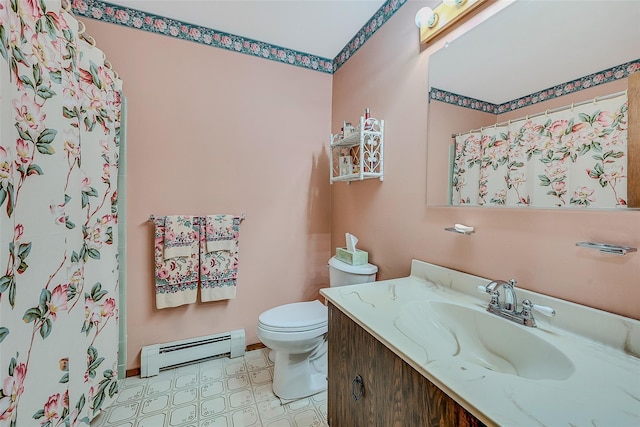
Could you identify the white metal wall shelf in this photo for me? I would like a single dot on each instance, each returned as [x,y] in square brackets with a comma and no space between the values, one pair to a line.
[360,154]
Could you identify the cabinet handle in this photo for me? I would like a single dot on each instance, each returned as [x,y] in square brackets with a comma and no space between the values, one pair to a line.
[357,388]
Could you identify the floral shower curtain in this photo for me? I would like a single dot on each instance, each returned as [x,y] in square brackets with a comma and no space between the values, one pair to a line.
[576,157]
[59,127]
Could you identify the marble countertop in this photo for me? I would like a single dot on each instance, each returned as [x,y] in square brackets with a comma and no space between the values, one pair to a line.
[603,390]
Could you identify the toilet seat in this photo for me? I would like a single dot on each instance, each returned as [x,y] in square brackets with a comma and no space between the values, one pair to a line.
[295,317]
[295,338]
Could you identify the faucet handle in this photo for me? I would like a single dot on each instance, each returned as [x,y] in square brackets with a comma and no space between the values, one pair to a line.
[495,295]
[527,306]
[547,311]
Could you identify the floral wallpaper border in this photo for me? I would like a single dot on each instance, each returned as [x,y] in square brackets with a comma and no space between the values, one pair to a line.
[386,11]
[605,76]
[133,18]
[461,100]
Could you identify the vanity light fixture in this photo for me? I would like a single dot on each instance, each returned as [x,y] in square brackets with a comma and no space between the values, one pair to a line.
[434,23]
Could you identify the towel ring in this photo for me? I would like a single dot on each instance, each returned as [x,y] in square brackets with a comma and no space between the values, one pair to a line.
[66,5]
[546,113]
[595,100]
[81,28]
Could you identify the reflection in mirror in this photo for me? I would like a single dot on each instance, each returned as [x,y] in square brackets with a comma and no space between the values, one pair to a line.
[529,59]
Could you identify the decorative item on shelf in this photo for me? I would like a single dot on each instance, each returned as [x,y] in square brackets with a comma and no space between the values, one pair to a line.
[607,248]
[461,229]
[435,22]
[347,129]
[354,152]
[346,165]
[367,122]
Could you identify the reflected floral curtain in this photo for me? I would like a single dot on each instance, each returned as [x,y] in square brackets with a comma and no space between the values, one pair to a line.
[60,124]
[576,157]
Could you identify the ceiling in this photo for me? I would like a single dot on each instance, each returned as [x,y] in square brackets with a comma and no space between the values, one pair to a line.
[317,27]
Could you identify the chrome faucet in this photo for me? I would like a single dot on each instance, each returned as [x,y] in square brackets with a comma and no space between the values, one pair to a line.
[510,300]
[509,308]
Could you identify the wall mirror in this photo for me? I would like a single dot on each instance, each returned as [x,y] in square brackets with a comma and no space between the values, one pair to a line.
[529,59]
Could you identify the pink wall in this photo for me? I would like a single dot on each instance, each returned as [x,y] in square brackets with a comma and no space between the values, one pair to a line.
[213,131]
[395,224]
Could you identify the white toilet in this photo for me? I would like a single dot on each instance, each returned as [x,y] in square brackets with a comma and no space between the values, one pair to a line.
[296,335]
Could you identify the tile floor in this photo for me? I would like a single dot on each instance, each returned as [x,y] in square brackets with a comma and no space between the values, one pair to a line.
[217,393]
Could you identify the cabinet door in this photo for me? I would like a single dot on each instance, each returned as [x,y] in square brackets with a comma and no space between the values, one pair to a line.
[395,394]
[349,403]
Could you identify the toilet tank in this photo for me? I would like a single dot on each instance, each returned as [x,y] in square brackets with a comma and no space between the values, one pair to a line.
[341,273]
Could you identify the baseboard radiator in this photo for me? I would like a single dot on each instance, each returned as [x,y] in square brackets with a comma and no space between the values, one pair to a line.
[177,353]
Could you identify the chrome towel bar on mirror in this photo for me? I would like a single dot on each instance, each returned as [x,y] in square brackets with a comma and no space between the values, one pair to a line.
[608,248]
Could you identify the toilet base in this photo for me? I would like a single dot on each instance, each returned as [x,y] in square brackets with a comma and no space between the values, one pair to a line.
[300,375]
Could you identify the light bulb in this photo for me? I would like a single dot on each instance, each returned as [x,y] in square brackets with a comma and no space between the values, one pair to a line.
[454,3]
[426,17]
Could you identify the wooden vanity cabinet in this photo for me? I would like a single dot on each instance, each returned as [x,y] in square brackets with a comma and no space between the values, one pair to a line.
[393,393]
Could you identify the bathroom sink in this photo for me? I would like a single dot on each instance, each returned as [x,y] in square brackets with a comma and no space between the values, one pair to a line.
[471,335]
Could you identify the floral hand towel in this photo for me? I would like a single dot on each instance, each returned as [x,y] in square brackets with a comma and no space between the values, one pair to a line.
[176,276]
[221,232]
[180,237]
[219,257]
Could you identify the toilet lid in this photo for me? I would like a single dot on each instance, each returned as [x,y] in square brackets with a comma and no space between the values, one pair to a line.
[295,317]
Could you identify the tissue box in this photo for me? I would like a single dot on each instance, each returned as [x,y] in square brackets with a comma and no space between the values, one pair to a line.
[354,258]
